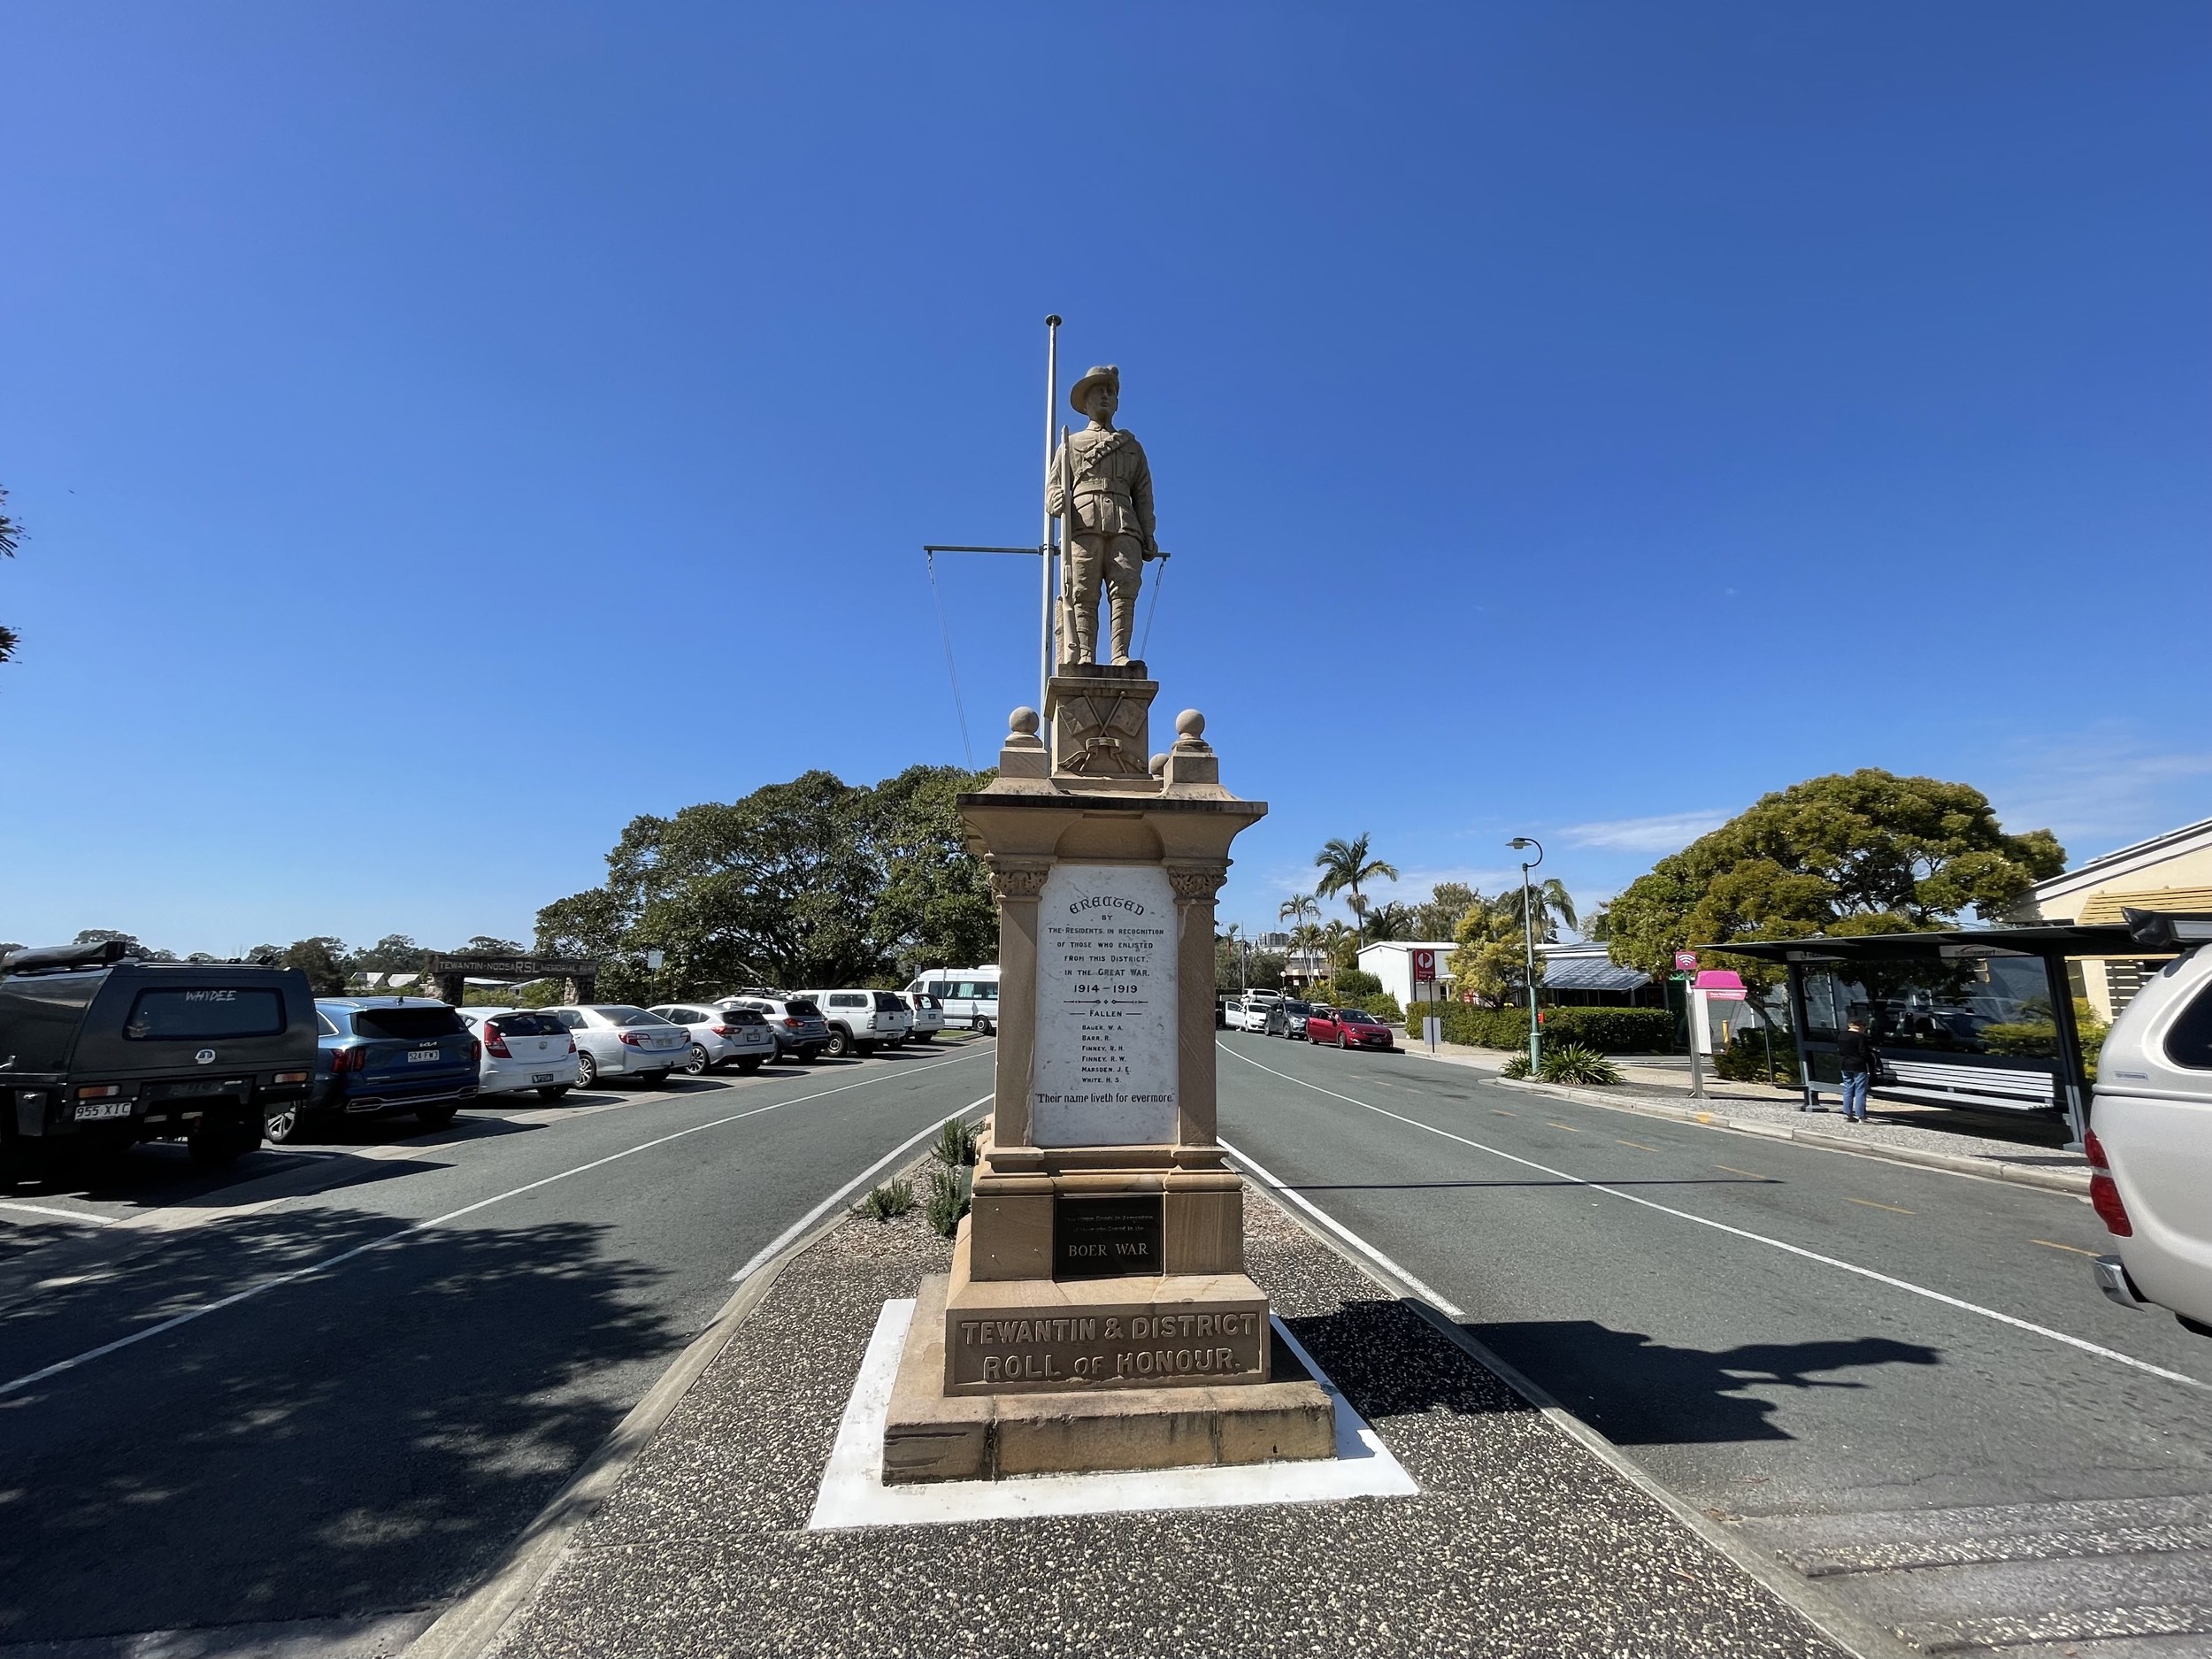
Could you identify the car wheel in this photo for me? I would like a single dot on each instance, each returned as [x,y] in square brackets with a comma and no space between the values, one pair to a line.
[696,1060]
[1340,1042]
[840,1042]
[287,1123]
[809,1053]
[553,1093]
[587,1069]
[924,1036]
[863,1049]
[750,1063]
[436,1117]
[990,1028]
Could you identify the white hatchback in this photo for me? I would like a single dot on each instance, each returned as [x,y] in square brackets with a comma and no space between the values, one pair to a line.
[2150,1133]
[524,1048]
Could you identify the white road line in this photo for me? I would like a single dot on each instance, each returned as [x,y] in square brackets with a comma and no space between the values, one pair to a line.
[343,1256]
[865,1178]
[72,1215]
[1755,1238]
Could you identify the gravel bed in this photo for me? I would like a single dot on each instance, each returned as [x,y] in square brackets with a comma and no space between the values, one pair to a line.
[1519,1543]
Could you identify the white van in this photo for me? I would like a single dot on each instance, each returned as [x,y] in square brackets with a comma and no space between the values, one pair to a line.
[969,994]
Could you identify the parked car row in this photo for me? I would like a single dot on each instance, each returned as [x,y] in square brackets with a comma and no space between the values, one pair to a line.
[1274,1015]
[101,1049]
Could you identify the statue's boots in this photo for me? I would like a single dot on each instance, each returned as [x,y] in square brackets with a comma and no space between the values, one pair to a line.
[1083,636]
[1124,620]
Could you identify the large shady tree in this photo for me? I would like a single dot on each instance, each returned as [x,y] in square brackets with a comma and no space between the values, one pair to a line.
[1861,852]
[814,882]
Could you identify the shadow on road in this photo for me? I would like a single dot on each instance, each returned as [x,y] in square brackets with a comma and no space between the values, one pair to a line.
[340,1445]
[1640,1393]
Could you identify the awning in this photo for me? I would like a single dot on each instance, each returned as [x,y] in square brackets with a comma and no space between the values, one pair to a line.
[1591,973]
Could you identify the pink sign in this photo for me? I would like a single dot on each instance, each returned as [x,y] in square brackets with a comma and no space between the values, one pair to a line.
[1723,984]
[1687,961]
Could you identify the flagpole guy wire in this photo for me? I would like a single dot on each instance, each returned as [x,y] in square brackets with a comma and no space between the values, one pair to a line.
[944,630]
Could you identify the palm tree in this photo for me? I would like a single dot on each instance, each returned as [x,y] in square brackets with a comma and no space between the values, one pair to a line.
[1299,908]
[1346,868]
[1548,900]
[1339,946]
[1389,921]
[1306,942]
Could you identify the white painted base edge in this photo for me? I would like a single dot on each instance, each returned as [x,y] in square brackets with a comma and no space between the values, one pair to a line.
[853,1492]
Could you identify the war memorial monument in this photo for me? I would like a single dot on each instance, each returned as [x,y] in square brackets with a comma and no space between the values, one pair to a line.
[1097,1315]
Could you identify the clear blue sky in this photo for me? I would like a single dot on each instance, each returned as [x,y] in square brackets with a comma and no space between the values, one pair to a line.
[446,431]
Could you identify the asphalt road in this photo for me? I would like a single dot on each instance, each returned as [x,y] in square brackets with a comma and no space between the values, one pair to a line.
[334,1388]
[1939,1471]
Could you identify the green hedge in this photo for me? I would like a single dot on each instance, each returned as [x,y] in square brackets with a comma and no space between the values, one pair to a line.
[1604,1029]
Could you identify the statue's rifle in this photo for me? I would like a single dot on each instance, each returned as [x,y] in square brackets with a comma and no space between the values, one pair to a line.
[1067,542]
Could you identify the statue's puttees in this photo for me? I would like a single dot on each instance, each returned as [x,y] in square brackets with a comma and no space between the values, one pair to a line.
[1110,529]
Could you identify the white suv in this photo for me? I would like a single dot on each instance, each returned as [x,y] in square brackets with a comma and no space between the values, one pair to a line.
[2150,1137]
[860,1020]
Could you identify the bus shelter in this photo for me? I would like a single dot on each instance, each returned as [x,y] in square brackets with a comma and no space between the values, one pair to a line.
[1980,1017]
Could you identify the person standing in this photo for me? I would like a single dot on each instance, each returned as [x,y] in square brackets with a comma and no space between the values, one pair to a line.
[1856,1051]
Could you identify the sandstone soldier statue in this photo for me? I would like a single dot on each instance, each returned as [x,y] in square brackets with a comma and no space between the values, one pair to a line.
[1110,526]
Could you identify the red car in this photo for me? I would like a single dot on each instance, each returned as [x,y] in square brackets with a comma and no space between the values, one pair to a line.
[1347,1028]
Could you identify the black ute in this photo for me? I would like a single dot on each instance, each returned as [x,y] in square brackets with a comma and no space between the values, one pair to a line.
[98,1050]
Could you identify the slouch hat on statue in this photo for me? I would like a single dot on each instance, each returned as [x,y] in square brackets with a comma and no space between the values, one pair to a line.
[1106,373]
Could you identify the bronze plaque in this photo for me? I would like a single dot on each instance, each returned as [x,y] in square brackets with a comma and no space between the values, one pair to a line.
[1106,1237]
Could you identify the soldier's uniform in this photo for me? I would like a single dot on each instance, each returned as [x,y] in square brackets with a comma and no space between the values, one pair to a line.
[1111,533]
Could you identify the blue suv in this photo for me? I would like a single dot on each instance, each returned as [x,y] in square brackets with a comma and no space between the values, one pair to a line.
[377,1056]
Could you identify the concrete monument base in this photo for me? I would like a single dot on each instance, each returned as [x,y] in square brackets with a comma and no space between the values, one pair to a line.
[934,1433]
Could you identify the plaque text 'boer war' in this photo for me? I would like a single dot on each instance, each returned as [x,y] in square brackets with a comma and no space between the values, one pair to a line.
[1106,1010]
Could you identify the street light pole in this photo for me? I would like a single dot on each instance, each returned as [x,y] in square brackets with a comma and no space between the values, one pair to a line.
[1528,928]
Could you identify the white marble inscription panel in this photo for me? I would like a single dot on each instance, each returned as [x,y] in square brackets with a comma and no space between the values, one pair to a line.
[1107,1029]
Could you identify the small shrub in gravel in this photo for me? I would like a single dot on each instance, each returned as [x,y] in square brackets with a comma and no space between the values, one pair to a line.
[948,1199]
[1572,1062]
[956,1145]
[888,1201]
[1518,1066]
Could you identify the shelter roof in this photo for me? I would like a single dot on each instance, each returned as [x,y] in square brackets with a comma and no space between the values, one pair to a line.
[1946,945]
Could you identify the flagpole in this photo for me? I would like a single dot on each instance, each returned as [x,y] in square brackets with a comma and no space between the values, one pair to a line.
[1044,541]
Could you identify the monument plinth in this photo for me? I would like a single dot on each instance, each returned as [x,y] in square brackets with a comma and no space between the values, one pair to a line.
[1098,1315]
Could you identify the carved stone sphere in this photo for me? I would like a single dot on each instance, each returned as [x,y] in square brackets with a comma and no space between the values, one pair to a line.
[1190,723]
[1159,765]
[1023,720]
